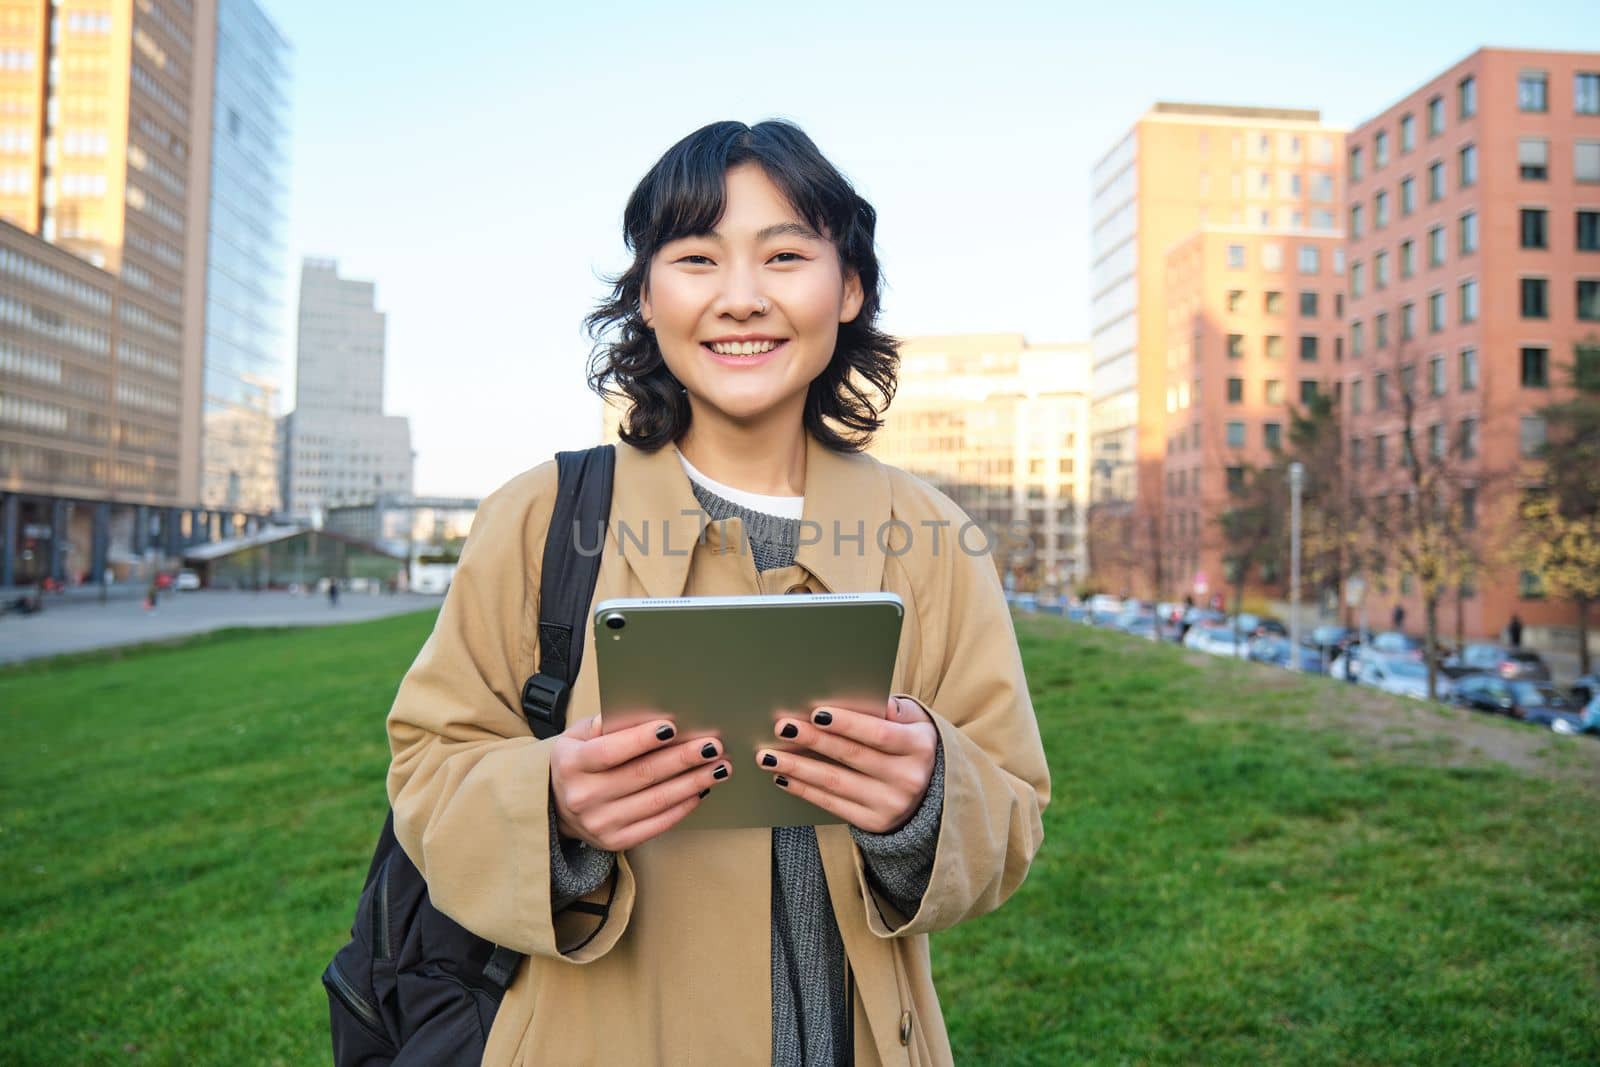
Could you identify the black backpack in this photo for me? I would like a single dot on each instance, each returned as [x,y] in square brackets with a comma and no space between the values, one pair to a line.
[412,986]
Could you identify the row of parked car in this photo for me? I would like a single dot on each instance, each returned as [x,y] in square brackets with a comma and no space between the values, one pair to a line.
[1479,675]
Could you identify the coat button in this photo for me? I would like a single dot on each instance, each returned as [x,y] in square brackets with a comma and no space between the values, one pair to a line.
[905,1028]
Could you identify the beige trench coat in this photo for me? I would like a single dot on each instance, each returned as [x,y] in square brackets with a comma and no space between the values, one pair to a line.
[680,969]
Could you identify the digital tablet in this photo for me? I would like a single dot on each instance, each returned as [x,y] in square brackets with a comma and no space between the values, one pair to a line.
[732,667]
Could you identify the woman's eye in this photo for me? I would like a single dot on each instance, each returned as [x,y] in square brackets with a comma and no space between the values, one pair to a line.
[696,259]
[794,257]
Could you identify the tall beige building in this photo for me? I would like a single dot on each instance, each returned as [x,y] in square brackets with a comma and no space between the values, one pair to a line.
[1179,168]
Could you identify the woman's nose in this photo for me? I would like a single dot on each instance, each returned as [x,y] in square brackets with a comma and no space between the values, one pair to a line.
[740,296]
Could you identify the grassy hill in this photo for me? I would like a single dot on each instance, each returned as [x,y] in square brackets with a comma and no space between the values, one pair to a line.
[1240,866]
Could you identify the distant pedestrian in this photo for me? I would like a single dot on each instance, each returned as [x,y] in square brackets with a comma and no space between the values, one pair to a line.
[333,592]
[1514,631]
[1399,616]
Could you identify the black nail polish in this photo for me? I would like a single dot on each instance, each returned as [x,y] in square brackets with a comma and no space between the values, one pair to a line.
[822,718]
[790,730]
[664,733]
[720,773]
[708,751]
[769,760]
[782,781]
[705,792]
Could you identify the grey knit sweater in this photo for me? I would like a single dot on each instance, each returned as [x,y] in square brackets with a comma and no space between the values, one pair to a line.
[810,1011]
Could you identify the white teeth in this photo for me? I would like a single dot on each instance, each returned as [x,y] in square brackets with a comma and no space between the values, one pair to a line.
[743,348]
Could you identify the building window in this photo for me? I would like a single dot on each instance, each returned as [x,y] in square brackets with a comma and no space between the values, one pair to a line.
[1436,441]
[1435,116]
[1408,258]
[1467,164]
[1469,511]
[1380,451]
[1355,164]
[1380,210]
[1435,312]
[1533,91]
[1235,390]
[1408,321]
[1273,302]
[1271,256]
[1589,231]
[1380,270]
[1588,300]
[1236,346]
[1274,346]
[1236,257]
[1468,441]
[1235,435]
[1355,452]
[1355,220]
[1532,435]
[1357,340]
[1380,391]
[1586,161]
[1380,330]
[1533,159]
[1534,226]
[1358,279]
[1308,391]
[1436,247]
[1586,94]
[1469,369]
[1274,391]
[1467,227]
[1310,259]
[1535,298]
[1435,182]
[1355,396]
[1536,368]
[1467,98]
[1235,299]
[1408,132]
[1408,196]
[1468,293]
[1380,149]
[1436,376]
[1308,305]
[1308,348]
[1235,479]
[1272,435]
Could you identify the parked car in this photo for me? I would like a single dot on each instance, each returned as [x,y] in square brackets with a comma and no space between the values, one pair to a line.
[1218,639]
[1497,659]
[1586,721]
[1586,688]
[1145,626]
[1077,613]
[1401,675]
[1270,626]
[1395,643]
[1270,648]
[1507,696]
[186,580]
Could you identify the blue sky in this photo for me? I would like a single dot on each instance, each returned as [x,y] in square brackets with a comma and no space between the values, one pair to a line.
[474,161]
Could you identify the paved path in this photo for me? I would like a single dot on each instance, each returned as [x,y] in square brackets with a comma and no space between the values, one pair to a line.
[79,624]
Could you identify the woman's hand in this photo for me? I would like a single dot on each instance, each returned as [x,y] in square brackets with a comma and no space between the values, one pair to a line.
[618,790]
[882,763]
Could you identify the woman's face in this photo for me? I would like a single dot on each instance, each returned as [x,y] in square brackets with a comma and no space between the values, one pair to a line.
[703,297]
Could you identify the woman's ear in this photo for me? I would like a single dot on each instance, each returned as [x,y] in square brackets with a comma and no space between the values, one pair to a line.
[850,305]
[644,305]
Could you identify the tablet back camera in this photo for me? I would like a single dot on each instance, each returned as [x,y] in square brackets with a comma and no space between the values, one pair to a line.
[615,621]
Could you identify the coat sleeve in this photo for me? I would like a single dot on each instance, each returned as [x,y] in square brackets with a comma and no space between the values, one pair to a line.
[996,782]
[469,783]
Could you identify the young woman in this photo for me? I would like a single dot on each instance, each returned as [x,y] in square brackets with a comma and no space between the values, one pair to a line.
[742,339]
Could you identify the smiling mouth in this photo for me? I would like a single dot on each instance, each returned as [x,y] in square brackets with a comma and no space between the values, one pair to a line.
[742,348]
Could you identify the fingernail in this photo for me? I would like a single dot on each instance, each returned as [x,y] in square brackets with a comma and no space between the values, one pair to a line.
[769,760]
[705,792]
[664,733]
[822,718]
[790,730]
[720,773]
[781,780]
[708,750]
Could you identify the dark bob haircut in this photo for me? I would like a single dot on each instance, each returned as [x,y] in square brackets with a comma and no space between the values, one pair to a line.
[683,196]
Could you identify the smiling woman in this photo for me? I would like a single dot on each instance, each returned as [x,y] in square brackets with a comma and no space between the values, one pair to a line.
[743,342]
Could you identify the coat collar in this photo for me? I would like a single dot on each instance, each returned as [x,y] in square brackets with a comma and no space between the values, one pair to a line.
[656,520]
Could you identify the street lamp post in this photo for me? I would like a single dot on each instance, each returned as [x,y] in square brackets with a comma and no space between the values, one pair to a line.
[1297,477]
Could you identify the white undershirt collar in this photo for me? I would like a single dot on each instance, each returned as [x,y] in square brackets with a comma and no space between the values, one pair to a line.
[785,507]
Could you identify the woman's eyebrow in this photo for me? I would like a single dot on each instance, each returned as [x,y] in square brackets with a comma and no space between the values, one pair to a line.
[778,229]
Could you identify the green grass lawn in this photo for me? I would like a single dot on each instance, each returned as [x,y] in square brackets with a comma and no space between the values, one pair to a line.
[1239,866]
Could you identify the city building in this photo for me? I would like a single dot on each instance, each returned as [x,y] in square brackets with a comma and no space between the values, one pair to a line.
[406,526]
[1474,212]
[105,184]
[1180,167]
[340,446]
[1001,427]
[1253,333]
[245,361]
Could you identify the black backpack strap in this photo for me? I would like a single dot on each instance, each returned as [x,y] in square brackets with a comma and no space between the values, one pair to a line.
[567,577]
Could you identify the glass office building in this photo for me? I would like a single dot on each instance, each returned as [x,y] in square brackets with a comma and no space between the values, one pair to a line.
[245,359]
